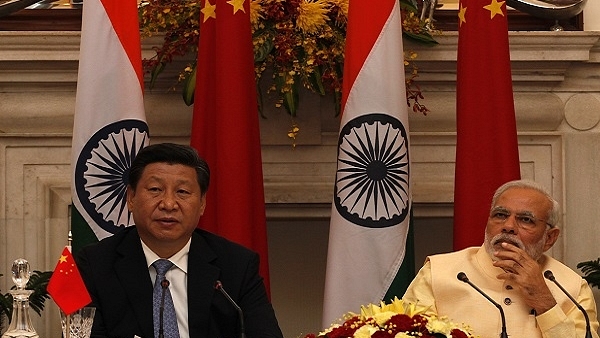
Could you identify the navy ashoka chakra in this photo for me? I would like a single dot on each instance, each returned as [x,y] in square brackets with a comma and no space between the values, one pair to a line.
[102,171]
[371,184]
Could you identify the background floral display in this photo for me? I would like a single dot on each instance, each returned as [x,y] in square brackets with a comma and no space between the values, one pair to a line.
[301,42]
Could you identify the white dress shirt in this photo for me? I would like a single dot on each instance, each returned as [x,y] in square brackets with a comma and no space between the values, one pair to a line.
[177,277]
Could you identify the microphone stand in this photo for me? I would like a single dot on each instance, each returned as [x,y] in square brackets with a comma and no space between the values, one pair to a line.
[588,331]
[161,330]
[463,278]
[219,286]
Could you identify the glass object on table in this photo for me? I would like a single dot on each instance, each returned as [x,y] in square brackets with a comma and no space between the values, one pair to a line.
[20,324]
[79,323]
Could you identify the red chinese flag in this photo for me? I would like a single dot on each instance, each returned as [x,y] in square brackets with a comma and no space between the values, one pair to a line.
[486,147]
[66,285]
[225,128]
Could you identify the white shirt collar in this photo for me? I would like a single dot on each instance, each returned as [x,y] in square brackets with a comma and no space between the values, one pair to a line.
[180,258]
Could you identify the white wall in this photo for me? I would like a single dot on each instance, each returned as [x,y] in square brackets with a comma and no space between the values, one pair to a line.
[591,16]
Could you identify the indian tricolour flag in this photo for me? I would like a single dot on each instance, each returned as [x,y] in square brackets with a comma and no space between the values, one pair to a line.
[110,124]
[372,197]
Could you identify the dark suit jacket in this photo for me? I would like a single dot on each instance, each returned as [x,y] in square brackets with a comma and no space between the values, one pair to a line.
[117,277]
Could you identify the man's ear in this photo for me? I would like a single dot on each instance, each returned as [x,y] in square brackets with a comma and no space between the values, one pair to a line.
[130,196]
[202,204]
[551,238]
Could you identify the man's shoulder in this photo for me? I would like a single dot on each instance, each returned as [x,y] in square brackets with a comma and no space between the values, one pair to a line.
[108,244]
[220,243]
[454,255]
[559,269]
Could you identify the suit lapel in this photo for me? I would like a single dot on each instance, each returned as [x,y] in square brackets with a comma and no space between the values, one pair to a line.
[202,275]
[133,274]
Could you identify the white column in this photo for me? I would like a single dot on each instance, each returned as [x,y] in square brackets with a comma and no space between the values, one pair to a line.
[591,16]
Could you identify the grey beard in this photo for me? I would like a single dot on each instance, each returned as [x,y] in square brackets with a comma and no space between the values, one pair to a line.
[535,251]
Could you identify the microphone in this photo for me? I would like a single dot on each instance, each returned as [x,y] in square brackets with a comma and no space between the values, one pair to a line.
[219,286]
[588,332]
[463,278]
[164,285]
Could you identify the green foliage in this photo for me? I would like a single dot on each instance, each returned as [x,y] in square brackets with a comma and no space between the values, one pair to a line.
[189,84]
[424,39]
[5,308]
[38,282]
[591,269]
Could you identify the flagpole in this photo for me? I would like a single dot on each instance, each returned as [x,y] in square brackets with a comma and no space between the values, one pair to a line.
[70,234]
[68,326]
[68,317]
[67,288]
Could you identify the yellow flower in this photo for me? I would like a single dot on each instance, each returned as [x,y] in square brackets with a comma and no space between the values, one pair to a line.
[329,329]
[342,15]
[382,317]
[256,12]
[403,335]
[312,15]
[439,326]
[397,306]
[365,331]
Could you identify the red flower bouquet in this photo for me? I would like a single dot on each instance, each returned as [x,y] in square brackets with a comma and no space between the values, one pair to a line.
[394,320]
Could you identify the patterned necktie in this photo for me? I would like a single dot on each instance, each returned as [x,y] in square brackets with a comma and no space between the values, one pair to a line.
[169,318]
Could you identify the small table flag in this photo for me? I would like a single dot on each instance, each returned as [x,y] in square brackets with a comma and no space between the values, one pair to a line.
[66,285]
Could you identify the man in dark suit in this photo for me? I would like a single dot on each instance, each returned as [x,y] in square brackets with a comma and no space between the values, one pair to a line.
[166,195]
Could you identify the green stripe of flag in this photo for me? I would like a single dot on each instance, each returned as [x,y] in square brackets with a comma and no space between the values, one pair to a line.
[406,273]
[81,231]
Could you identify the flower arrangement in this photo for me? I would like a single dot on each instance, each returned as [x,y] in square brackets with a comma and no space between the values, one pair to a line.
[300,41]
[394,320]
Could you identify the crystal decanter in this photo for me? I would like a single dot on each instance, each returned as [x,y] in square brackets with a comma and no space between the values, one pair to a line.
[20,324]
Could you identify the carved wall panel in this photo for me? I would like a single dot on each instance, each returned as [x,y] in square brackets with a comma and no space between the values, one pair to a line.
[557,99]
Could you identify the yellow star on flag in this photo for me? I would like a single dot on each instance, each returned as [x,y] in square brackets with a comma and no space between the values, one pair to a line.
[461,15]
[495,7]
[209,11]
[62,259]
[237,5]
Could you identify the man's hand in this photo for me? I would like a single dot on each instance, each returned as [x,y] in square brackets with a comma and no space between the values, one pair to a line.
[525,274]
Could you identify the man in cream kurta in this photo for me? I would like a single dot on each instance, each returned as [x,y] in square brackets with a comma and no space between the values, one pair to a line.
[509,268]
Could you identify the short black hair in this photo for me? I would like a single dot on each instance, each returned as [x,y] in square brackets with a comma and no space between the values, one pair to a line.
[170,153]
